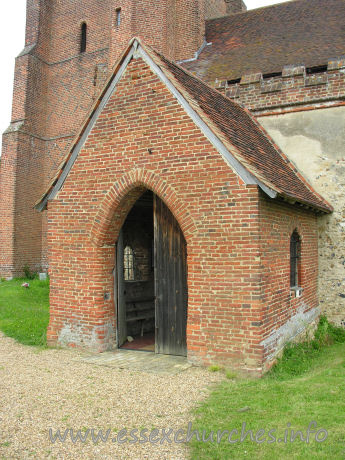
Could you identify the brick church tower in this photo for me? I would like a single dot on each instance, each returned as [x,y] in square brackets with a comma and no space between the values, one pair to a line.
[70,48]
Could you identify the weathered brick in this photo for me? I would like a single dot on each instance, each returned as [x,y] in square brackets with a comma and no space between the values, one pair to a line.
[233,252]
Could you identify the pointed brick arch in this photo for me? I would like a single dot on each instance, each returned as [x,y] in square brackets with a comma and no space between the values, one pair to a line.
[121,197]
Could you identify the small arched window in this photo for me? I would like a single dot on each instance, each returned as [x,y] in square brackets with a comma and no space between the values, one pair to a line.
[128,264]
[83,38]
[295,259]
[118,17]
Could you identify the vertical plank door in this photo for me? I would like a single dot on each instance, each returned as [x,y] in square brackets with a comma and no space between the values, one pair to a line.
[121,301]
[171,296]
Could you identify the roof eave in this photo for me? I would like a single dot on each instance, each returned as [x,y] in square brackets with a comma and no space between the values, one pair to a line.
[135,48]
[326,208]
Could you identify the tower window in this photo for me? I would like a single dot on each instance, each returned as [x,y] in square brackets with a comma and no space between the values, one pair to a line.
[83,37]
[118,17]
[295,255]
[128,264]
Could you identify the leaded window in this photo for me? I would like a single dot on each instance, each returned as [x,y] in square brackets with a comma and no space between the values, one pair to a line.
[128,264]
[295,250]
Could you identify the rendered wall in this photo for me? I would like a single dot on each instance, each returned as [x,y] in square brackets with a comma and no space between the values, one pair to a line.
[315,141]
[305,115]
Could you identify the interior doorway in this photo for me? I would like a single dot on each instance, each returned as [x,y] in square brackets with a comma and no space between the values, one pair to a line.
[151,280]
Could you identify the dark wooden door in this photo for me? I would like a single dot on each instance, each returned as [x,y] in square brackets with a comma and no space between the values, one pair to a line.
[121,300]
[170,265]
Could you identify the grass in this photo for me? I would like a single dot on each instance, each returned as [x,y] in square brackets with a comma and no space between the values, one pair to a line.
[215,368]
[24,313]
[307,384]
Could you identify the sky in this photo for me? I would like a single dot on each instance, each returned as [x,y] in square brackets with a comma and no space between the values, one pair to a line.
[12,30]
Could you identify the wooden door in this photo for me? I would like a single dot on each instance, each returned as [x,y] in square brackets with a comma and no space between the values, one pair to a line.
[121,300]
[170,265]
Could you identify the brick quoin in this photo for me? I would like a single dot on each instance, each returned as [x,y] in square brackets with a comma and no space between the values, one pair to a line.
[234,236]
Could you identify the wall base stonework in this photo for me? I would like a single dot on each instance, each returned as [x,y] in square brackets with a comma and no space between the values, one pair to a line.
[98,339]
[296,329]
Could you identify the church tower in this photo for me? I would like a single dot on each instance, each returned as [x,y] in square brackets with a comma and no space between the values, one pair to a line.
[217,9]
[176,28]
[70,49]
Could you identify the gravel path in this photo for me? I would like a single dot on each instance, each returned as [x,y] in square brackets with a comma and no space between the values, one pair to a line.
[49,389]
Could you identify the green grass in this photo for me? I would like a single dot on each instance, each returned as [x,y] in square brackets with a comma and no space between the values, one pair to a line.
[307,384]
[24,313]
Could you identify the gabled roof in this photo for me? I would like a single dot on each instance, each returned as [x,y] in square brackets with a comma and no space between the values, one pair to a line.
[231,129]
[307,32]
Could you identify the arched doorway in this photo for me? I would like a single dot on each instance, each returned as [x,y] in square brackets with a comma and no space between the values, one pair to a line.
[151,281]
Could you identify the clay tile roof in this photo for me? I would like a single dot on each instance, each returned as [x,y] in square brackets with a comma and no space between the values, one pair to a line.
[234,126]
[308,32]
[253,147]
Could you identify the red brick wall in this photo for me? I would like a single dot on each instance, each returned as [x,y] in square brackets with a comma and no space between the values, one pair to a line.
[21,175]
[277,223]
[175,28]
[85,219]
[60,28]
[32,21]
[7,189]
[289,91]
[55,86]
[220,8]
[317,150]
[218,215]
